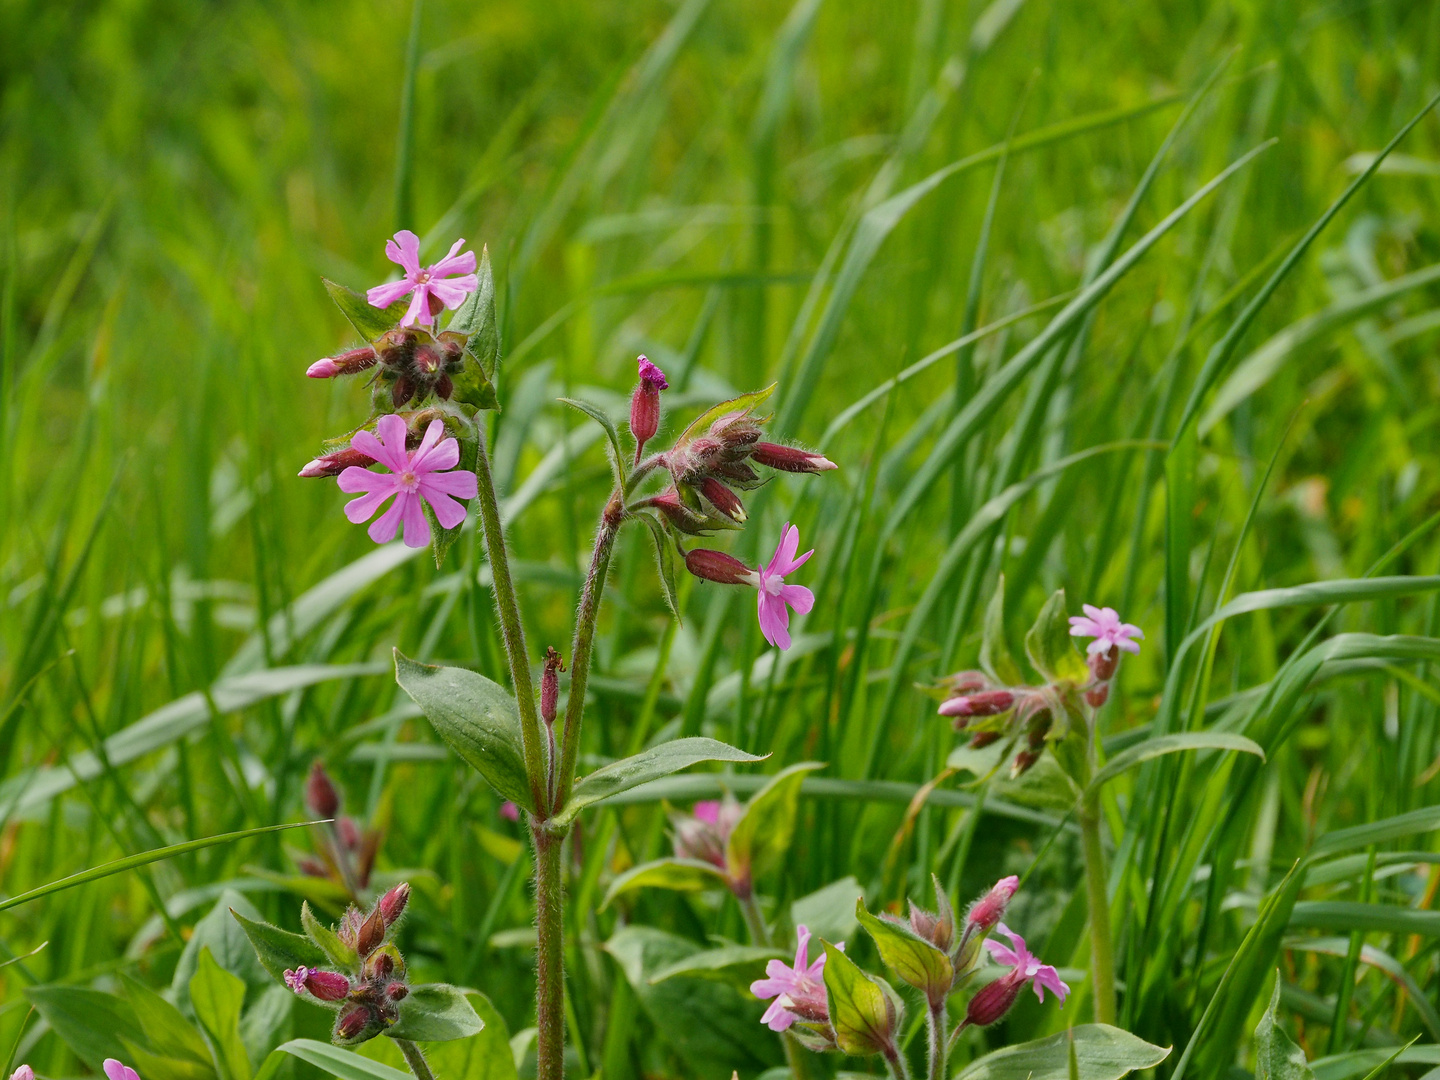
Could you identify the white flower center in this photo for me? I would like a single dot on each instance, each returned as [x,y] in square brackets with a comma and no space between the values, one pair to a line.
[409,481]
[772,583]
[423,277]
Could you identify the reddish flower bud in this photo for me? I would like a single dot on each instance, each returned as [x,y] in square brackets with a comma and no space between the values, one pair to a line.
[992,1001]
[320,794]
[984,703]
[371,933]
[352,1024]
[402,391]
[336,463]
[392,904]
[722,498]
[397,991]
[1024,762]
[328,985]
[965,682]
[550,685]
[313,867]
[323,369]
[645,404]
[349,833]
[347,363]
[683,518]
[981,739]
[1103,664]
[790,459]
[381,965]
[717,566]
[1098,695]
[986,912]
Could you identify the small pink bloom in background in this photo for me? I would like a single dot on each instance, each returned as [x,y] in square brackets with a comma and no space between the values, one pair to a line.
[800,987]
[1027,966]
[296,979]
[1104,625]
[509,811]
[775,596]
[118,1070]
[433,286]
[411,479]
[24,1072]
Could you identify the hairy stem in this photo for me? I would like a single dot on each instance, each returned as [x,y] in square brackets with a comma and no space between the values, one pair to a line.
[939,1050]
[895,1062]
[415,1058]
[584,638]
[1102,960]
[550,956]
[512,630]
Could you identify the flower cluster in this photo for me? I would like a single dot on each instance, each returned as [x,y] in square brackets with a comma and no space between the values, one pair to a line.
[979,704]
[346,854]
[368,997]
[798,989]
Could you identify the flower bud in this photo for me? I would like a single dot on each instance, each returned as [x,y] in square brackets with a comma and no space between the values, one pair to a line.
[1103,664]
[986,912]
[320,794]
[371,933]
[717,566]
[1098,695]
[392,904]
[353,1025]
[965,682]
[383,963]
[402,391]
[328,985]
[323,369]
[397,991]
[984,703]
[982,739]
[24,1072]
[790,459]
[722,498]
[509,811]
[1024,762]
[683,518]
[347,363]
[336,463]
[1037,729]
[645,404]
[992,1001]
[550,685]
[349,928]
[349,833]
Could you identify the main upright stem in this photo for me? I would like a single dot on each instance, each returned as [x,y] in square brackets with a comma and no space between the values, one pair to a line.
[1102,960]
[550,955]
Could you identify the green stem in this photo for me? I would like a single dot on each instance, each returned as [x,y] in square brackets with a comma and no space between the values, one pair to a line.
[512,630]
[939,1050]
[584,639]
[895,1062]
[1102,959]
[550,956]
[415,1058]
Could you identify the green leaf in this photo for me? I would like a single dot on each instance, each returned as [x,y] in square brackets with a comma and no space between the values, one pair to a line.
[267,1021]
[485,1056]
[680,875]
[156,1067]
[743,403]
[435,1012]
[721,962]
[1350,916]
[229,945]
[90,1022]
[217,997]
[652,764]
[860,1011]
[761,838]
[370,322]
[167,1032]
[476,717]
[1426,819]
[475,318]
[829,912]
[1276,1055]
[339,1062]
[1172,744]
[278,950]
[1101,1053]
[908,955]
[340,954]
[995,658]
[1048,644]
[601,417]
[664,562]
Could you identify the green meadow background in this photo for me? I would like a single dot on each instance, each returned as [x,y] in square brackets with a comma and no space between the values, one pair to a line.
[822,194]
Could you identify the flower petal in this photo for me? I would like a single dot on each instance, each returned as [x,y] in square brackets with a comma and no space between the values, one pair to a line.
[452,293]
[382,529]
[405,250]
[795,564]
[382,296]
[447,511]
[417,462]
[798,597]
[417,528]
[392,433]
[776,1017]
[363,508]
[774,620]
[433,457]
[354,479]
[419,308]
[453,263]
[458,482]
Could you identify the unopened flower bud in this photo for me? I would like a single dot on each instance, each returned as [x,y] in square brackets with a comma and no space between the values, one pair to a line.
[328,985]
[392,904]
[986,912]
[371,933]
[24,1072]
[722,498]
[1098,695]
[790,458]
[992,1001]
[380,965]
[645,404]
[717,566]
[550,685]
[336,463]
[347,363]
[509,811]
[1037,729]
[984,703]
[1103,664]
[402,391]
[323,369]
[352,1024]
[349,928]
[982,739]
[683,518]
[397,991]
[320,794]
[965,682]
[1024,762]
[349,833]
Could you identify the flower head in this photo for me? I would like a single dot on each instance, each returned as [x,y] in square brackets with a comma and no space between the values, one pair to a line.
[433,287]
[987,912]
[24,1072]
[413,478]
[705,834]
[1025,966]
[652,374]
[295,979]
[118,1070]
[798,989]
[509,811]
[1104,625]
[775,596]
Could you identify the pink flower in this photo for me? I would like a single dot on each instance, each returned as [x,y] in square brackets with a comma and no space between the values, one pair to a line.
[118,1070]
[432,286]
[509,811]
[24,1072]
[706,833]
[413,477]
[1104,625]
[295,980]
[799,991]
[776,596]
[1025,966]
[990,908]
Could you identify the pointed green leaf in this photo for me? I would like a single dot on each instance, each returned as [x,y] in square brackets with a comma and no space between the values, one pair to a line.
[1048,644]
[742,403]
[1276,1055]
[722,962]
[652,764]
[475,318]
[158,1067]
[340,954]
[859,1010]
[90,1022]
[1173,744]
[1101,1053]
[339,1062]
[664,562]
[217,997]
[601,417]
[370,322]
[761,838]
[279,950]
[476,717]
[435,1012]
[995,658]
[679,875]
[908,955]
[166,1030]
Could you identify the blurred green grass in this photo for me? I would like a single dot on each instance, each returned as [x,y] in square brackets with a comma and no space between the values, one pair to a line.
[685,181]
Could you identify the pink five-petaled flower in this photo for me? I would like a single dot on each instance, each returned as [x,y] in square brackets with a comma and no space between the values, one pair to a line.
[295,979]
[411,479]
[775,595]
[1104,625]
[433,287]
[800,988]
[1024,965]
[118,1070]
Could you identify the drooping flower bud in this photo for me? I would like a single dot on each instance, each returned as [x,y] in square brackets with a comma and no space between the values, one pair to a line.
[790,459]
[328,985]
[645,404]
[371,933]
[347,363]
[984,703]
[550,685]
[992,1001]
[965,682]
[392,904]
[355,1025]
[985,914]
[717,566]
[320,794]
[722,498]
[684,519]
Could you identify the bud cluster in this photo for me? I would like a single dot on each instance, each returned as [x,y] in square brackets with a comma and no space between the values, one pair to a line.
[412,363]
[368,997]
[346,853]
